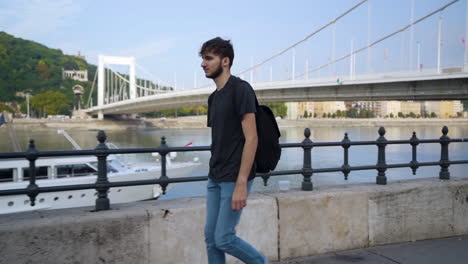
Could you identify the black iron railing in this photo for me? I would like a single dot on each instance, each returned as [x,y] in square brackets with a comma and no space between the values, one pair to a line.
[102,184]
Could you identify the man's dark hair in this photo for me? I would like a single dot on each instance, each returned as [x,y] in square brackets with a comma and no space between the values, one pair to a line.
[220,47]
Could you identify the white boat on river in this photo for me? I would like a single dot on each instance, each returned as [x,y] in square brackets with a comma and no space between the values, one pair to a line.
[58,171]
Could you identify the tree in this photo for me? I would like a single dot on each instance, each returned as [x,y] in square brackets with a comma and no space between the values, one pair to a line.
[279,109]
[433,115]
[391,115]
[400,114]
[315,115]
[43,70]
[362,113]
[51,103]
[200,110]
[352,113]
[412,115]
[306,114]
[369,114]
[6,108]
[324,115]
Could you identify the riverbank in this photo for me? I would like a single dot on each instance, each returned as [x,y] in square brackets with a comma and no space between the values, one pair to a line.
[199,122]
[372,122]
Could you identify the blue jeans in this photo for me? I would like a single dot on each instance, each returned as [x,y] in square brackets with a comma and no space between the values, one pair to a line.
[220,226]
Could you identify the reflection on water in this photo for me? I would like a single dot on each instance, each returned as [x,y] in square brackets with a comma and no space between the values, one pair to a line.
[291,158]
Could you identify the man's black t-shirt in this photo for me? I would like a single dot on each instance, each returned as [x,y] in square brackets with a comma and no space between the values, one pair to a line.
[225,110]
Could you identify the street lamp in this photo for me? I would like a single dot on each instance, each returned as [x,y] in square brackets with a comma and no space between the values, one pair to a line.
[418,66]
[27,105]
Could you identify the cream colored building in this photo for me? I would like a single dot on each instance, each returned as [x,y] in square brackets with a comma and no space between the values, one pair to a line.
[292,110]
[374,106]
[390,107]
[411,107]
[302,107]
[447,109]
[326,107]
[443,109]
[81,76]
[457,107]
[429,107]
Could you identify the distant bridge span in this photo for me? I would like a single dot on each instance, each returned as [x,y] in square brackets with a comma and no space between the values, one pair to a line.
[429,87]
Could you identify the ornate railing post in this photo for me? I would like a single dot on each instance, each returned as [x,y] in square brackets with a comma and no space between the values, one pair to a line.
[414,141]
[33,189]
[102,202]
[307,167]
[163,154]
[381,144]
[444,155]
[346,144]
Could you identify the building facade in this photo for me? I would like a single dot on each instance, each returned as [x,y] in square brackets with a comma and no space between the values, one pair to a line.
[326,107]
[81,76]
[409,107]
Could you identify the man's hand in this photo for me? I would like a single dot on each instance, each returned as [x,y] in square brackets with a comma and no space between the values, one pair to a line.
[239,197]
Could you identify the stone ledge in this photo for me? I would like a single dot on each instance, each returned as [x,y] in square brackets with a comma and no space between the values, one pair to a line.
[169,231]
[280,224]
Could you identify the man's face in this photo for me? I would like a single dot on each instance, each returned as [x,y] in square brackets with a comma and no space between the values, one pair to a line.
[212,65]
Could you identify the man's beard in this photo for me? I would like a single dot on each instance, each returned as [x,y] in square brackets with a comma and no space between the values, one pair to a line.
[216,73]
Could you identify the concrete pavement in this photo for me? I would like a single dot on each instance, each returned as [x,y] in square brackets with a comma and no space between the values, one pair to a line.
[452,250]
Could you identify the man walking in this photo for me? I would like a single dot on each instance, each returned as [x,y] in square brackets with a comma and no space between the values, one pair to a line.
[231,116]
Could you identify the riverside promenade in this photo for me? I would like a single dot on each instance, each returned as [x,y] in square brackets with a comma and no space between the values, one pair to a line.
[451,250]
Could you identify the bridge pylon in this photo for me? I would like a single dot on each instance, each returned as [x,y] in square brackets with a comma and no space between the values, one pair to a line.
[103,60]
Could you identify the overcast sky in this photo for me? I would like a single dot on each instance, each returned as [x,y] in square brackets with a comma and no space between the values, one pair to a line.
[165,36]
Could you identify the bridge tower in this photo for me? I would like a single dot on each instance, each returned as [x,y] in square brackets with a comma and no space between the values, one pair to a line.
[103,60]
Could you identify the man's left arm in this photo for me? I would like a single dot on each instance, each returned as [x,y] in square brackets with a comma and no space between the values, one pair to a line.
[249,128]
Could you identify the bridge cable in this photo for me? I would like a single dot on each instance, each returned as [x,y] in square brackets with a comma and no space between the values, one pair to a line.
[127,81]
[92,89]
[150,74]
[303,40]
[377,41]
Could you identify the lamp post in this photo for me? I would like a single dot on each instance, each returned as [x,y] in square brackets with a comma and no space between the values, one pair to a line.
[465,64]
[418,43]
[411,36]
[439,45]
[27,104]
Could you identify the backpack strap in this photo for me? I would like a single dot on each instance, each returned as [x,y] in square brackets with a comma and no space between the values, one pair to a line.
[238,82]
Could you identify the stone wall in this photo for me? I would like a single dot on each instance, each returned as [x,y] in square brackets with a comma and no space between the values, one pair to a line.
[281,224]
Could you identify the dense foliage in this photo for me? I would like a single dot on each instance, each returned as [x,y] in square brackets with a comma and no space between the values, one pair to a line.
[50,103]
[29,67]
[279,109]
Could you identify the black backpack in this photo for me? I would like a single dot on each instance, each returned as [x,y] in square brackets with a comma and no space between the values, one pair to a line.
[268,149]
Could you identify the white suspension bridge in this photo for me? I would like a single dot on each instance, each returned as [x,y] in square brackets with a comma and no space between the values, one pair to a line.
[126,94]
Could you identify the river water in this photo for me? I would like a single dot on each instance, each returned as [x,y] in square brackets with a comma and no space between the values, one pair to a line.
[291,158]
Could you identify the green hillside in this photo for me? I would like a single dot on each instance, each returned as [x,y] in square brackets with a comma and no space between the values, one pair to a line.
[27,66]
